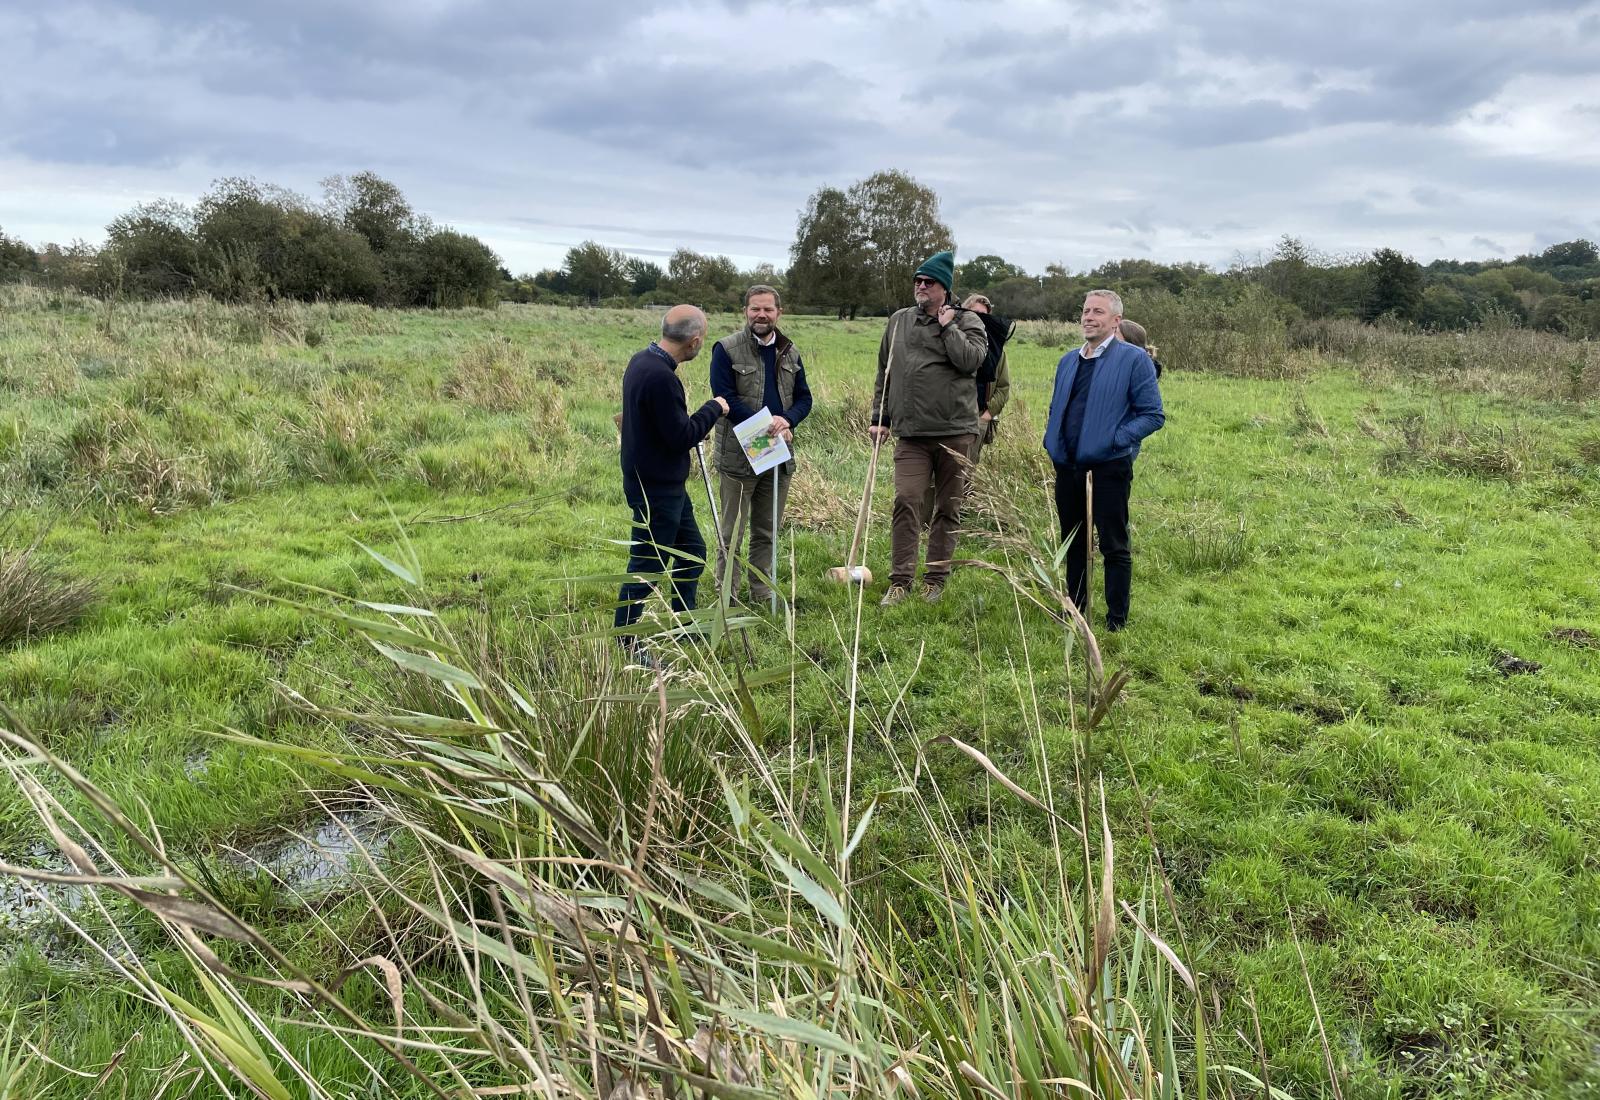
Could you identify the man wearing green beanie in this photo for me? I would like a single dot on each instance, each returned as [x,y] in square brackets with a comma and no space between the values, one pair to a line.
[927,363]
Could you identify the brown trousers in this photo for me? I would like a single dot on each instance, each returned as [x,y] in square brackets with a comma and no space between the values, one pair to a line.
[747,501]
[972,456]
[936,464]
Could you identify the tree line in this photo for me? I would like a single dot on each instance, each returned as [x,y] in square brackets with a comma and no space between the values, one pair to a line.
[854,252]
[856,247]
[248,241]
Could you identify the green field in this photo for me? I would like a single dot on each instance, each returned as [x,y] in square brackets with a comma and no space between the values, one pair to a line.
[1331,731]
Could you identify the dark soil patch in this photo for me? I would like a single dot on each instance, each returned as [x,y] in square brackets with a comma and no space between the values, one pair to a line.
[1223,688]
[1323,711]
[1509,664]
[1574,635]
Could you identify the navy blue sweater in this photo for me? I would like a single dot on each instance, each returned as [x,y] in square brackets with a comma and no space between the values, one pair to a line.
[723,386]
[1123,406]
[657,432]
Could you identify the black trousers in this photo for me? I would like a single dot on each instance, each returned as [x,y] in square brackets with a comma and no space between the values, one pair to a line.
[1113,481]
[666,540]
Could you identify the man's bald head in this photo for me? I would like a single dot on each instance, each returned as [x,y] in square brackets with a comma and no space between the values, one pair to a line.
[683,330]
[682,323]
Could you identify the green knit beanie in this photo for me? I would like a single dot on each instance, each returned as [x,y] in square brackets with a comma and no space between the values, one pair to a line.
[940,266]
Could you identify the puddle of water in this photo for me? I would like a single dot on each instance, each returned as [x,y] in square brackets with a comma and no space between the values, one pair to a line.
[325,856]
[322,857]
[26,917]
[197,763]
[21,903]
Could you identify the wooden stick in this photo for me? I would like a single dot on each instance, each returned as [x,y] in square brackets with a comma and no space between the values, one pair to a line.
[1088,534]
[866,496]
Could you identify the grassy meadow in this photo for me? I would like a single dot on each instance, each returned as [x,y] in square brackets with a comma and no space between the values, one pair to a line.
[1356,761]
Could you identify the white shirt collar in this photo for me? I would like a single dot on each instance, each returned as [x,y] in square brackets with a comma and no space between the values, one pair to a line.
[1085,353]
[772,338]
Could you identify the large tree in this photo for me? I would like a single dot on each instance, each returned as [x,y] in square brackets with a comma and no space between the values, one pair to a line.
[16,258]
[900,219]
[982,272]
[594,271]
[152,251]
[708,281]
[370,205]
[643,276]
[860,247]
[1394,286]
[828,261]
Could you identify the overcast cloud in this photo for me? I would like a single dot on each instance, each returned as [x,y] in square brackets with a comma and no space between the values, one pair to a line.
[1053,132]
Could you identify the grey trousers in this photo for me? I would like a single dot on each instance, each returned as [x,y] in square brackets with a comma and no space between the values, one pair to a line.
[747,502]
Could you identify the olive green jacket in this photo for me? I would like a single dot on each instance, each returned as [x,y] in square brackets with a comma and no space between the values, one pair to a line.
[1000,391]
[929,373]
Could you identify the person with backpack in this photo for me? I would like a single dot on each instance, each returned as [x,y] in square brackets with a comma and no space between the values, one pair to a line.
[994,377]
[994,387]
[928,361]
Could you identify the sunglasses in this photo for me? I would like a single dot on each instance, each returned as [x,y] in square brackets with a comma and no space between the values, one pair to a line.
[923,280]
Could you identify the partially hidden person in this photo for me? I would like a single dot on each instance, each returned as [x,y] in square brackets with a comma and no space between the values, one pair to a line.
[993,390]
[1135,334]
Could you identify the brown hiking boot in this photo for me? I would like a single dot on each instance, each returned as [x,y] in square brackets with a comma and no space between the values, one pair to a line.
[896,594]
[931,592]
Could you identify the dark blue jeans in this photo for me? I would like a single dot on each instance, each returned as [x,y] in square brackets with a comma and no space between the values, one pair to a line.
[1113,482]
[665,538]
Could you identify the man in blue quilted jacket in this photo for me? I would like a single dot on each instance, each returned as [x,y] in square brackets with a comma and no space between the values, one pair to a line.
[1106,401]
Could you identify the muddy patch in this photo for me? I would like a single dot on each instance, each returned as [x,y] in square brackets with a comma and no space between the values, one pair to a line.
[1576,636]
[1509,664]
[25,907]
[322,857]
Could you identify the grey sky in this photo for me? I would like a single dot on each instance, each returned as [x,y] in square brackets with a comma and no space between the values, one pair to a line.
[1053,132]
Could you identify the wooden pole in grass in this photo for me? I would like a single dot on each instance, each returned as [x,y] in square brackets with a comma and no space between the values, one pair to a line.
[1088,545]
[1088,575]
[776,472]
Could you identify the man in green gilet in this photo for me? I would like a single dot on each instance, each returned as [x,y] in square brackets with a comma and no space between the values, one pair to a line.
[756,367]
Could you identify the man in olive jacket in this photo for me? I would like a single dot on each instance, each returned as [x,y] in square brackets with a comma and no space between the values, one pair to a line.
[928,362]
[754,368]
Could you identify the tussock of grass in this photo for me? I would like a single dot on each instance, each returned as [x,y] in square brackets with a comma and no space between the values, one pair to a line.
[37,598]
[1048,334]
[492,375]
[1477,449]
[1497,357]
[1245,338]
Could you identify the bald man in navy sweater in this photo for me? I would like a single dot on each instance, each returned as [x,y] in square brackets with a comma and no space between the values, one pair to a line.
[658,433]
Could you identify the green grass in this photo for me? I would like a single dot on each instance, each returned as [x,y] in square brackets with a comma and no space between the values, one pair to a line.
[1326,570]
